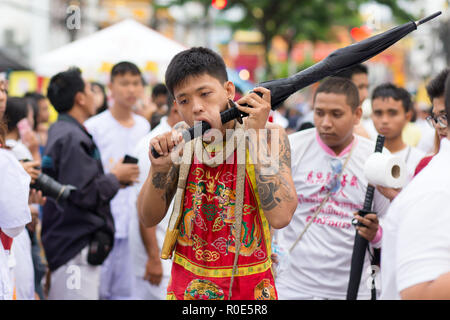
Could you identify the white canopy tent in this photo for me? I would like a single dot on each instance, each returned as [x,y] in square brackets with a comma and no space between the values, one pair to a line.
[124,41]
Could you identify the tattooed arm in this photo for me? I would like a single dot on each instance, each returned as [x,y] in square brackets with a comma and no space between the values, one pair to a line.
[161,183]
[156,195]
[273,159]
[273,175]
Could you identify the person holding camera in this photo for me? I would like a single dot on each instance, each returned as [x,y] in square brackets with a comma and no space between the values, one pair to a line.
[78,232]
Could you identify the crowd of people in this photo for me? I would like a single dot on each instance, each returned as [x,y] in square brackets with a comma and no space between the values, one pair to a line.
[88,212]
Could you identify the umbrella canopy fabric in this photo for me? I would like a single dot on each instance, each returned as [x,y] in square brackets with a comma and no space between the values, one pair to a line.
[336,62]
[124,41]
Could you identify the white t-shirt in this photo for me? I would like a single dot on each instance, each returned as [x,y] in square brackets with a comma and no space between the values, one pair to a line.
[14,210]
[412,157]
[19,149]
[319,265]
[416,237]
[138,252]
[114,141]
[279,119]
[14,191]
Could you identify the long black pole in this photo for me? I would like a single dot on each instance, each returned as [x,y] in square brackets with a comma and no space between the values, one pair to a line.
[360,245]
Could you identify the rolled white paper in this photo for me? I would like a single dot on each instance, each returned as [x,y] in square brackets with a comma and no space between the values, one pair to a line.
[385,170]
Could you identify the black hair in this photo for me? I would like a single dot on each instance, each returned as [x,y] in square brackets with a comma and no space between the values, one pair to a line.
[159,89]
[447,95]
[349,72]
[104,106]
[16,110]
[33,99]
[156,117]
[305,125]
[338,85]
[63,87]
[34,95]
[195,61]
[435,87]
[124,67]
[388,90]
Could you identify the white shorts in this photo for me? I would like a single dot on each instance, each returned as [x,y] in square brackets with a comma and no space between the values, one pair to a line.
[116,279]
[76,280]
[144,290]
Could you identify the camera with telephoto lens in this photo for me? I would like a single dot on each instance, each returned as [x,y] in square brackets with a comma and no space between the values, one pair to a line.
[50,187]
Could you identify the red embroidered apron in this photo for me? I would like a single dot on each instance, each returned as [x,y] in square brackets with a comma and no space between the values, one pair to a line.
[205,249]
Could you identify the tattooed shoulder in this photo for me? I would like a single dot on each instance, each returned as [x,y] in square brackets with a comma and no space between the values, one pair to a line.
[284,148]
[274,189]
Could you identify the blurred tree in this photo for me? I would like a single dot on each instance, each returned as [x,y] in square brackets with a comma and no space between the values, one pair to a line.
[297,20]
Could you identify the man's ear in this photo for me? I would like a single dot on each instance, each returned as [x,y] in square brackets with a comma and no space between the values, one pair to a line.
[357,113]
[230,89]
[409,115]
[79,98]
[110,89]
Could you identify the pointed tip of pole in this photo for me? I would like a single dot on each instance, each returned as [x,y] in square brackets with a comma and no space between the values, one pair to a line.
[426,19]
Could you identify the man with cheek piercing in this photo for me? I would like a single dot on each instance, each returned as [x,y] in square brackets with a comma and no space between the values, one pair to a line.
[226,197]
